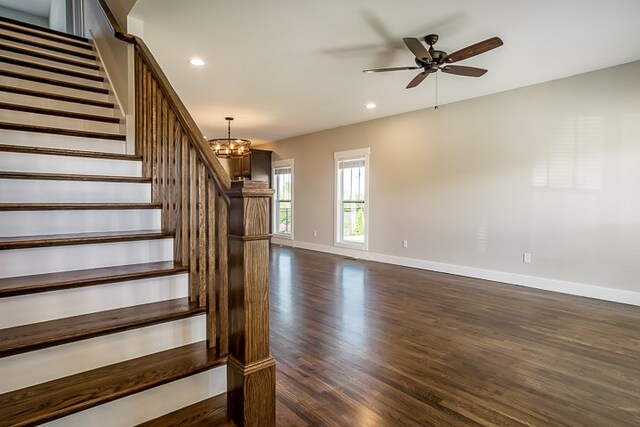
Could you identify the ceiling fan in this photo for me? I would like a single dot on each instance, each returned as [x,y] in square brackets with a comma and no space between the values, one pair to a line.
[432,60]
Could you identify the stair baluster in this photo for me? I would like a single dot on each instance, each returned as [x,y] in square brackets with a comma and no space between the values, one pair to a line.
[221,234]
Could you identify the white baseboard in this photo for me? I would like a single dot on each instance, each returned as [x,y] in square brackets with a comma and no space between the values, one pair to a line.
[571,288]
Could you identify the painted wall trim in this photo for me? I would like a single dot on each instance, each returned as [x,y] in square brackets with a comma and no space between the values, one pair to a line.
[564,287]
[94,37]
[129,119]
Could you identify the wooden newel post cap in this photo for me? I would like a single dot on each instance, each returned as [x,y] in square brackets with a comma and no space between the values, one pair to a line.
[248,188]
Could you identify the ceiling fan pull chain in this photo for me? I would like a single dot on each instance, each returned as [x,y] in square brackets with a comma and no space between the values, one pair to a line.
[436,107]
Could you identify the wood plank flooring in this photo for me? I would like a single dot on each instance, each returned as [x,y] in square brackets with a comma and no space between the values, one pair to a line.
[367,344]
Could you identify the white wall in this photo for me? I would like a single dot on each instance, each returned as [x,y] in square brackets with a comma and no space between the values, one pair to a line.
[25,17]
[117,57]
[551,169]
[113,52]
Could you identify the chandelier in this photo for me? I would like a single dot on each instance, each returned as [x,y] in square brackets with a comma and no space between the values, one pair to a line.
[230,148]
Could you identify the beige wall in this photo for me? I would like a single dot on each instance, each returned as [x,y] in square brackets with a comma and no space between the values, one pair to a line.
[551,169]
[121,9]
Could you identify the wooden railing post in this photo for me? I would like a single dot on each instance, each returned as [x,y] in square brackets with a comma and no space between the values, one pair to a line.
[222,235]
[251,370]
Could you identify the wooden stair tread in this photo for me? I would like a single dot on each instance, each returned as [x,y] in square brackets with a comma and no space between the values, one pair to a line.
[67,152]
[54,82]
[58,113]
[210,412]
[22,242]
[48,46]
[56,96]
[76,206]
[72,177]
[54,399]
[47,38]
[59,131]
[48,57]
[50,69]
[34,336]
[44,29]
[12,286]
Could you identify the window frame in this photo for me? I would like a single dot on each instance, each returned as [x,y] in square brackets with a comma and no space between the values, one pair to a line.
[339,156]
[279,164]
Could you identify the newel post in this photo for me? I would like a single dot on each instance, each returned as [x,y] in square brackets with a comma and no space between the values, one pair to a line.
[251,371]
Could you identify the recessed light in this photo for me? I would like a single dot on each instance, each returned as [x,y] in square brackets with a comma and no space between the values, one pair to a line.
[370,105]
[196,61]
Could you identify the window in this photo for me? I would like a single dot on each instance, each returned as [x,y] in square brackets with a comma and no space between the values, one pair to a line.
[283,198]
[352,193]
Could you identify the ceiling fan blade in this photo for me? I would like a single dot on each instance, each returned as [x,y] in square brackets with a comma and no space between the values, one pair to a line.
[382,70]
[460,70]
[474,49]
[417,48]
[417,80]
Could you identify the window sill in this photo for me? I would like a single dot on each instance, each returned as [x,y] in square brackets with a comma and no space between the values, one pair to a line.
[282,236]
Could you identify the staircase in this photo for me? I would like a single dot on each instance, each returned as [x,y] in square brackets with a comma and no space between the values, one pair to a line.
[98,324]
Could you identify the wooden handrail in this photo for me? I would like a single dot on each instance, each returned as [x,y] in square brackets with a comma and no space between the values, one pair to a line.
[211,162]
[221,233]
[115,25]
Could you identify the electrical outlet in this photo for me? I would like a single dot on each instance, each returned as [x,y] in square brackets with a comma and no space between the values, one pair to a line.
[315,233]
[405,244]
[526,258]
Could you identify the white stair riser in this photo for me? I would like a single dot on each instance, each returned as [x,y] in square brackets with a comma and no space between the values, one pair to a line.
[35,223]
[36,101]
[27,369]
[32,139]
[150,404]
[25,262]
[52,88]
[52,52]
[50,62]
[30,162]
[57,122]
[48,42]
[52,75]
[51,191]
[44,306]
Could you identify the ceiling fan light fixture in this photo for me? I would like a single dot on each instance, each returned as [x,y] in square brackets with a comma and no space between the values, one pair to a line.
[230,148]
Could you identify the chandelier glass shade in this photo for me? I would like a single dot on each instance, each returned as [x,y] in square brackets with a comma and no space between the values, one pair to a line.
[230,148]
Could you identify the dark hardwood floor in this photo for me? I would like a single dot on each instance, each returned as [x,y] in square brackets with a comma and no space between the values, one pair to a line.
[366,344]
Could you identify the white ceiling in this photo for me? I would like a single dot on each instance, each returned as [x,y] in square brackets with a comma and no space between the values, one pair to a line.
[289,67]
[32,7]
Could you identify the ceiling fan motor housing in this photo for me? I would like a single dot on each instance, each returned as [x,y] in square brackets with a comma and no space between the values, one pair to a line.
[438,55]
